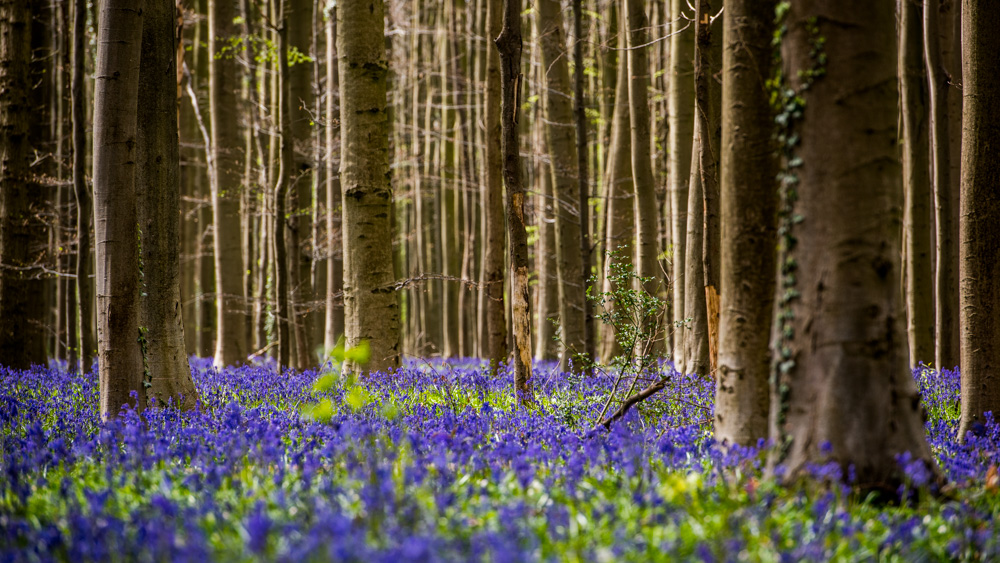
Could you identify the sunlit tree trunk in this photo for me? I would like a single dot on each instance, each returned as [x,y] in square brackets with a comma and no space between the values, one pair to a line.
[371,311]
[115,157]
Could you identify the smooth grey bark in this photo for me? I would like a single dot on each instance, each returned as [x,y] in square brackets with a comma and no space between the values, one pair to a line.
[227,185]
[560,134]
[22,334]
[645,206]
[115,155]
[158,210]
[680,114]
[979,270]
[84,202]
[370,309]
[842,390]
[547,288]
[335,263]
[918,275]
[749,202]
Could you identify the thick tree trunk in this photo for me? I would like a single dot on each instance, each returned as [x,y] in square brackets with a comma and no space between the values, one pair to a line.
[335,262]
[158,210]
[227,154]
[509,45]
[680,112]
[22,334]
[916,184]
[561,140]
[643,184]
[371,311]
[84,204]
[115,156]
[496,328]
[842,390]
[980,224]
[748,207]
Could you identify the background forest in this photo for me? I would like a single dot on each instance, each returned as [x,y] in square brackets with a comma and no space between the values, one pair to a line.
[461,266]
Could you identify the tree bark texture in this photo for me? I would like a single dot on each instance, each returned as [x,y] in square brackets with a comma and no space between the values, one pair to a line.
[680,114]
[560,134]
[286,164]
[22,233]
[749,202]
[227,185]
[84,202]
[979,245]
[645,206]
[115,156]
[370,309]
[841,379]
[918,276]
[158,210]
[335,263]
[583,184]
[496,327]
[509,45]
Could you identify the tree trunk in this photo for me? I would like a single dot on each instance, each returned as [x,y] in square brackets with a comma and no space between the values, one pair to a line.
[509,45]
[942,53]
[22,335]
[842,389]
[335,262]
[84,205]
[496,328]
[286,164]
[115,156]
[227,154]
[916,184]
[646,221]
[696,352]
[547,288]
[371,311]
[158,210]
[748,207]
[680,112]
[583,180]
[980,202]
[561,137]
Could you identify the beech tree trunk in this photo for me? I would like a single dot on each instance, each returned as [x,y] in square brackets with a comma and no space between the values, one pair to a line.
[565,167]
[22,331]
[370,309]
[583,183]
[509,45]
[335,263]
[645,206]
[496,327]
[84,203]
[749,202]
[158,210]
[115,156]
[918,276]
[980,223]
[286,164]
[227,182]
[680,114]
[840,365]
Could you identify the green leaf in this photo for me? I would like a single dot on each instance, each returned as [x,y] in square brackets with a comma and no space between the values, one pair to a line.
[359,354]
[325,383]
[357,398]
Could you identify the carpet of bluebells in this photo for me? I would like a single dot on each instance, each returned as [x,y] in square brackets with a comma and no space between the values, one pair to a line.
[436,463]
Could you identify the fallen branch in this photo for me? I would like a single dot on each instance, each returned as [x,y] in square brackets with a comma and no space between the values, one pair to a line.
[631,401]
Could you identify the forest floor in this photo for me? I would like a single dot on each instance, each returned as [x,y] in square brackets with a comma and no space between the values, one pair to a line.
[435,463]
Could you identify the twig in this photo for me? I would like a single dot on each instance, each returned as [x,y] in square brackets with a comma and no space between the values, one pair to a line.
[638,397]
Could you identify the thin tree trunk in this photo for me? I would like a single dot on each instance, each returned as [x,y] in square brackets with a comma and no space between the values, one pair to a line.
[646,222]
[749,205]
[370,307]
[493,199]
[680,112]
[158,210]
[547,288]
[561,140]
[335,263]
[286,164]
[580,118]
[84,206]
[841,390]
[980,202]
[227,155]
[916,184]
[509,45]
[115,106]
